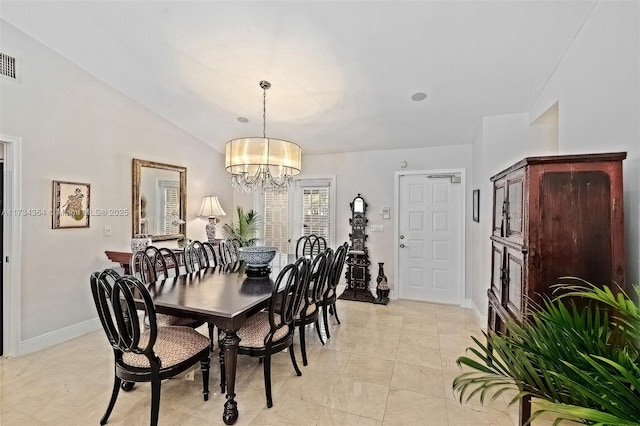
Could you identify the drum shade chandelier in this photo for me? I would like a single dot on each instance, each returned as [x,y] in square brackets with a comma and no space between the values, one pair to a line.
[261,162]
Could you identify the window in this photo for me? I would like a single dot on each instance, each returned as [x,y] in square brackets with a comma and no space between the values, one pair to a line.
[276,220]
[308,208]
[316,217]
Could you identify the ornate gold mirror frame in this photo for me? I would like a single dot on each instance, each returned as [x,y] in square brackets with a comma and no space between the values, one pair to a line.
[159,205]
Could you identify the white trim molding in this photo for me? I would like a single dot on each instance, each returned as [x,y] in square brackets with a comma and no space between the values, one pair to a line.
[12,245]
[463,230]
[59,336]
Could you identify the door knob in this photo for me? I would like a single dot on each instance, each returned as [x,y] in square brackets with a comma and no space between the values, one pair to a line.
[401,245]
[402,237]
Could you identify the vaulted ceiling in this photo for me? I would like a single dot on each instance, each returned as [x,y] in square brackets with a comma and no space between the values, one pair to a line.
[342,72]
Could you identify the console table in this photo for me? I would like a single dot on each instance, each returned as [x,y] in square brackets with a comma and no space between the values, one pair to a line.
[124,257]
[121,257]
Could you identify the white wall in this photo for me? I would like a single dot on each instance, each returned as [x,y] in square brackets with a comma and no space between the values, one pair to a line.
[502,141]
[76,128]
[371,174]
[597,91]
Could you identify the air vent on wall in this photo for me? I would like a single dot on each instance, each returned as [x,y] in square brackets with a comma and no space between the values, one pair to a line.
[7,66]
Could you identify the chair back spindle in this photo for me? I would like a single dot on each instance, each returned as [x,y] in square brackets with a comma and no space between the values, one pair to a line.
[310,245]
[143,268]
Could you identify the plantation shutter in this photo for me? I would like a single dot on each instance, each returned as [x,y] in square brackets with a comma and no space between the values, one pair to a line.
[316,210]
[276,220]
[171,198]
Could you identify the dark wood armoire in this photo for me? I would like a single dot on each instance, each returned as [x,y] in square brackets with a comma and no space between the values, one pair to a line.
[554,216]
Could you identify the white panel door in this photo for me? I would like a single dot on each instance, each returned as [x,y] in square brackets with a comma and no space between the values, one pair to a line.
[429,254]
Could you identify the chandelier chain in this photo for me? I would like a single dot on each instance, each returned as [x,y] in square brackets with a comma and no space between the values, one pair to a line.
[264,112]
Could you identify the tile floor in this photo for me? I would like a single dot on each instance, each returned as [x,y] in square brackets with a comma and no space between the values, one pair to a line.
[384,365]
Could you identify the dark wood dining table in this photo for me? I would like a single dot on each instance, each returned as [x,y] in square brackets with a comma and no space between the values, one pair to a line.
[225,299]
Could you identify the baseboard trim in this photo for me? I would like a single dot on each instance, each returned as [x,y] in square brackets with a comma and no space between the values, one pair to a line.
[59,336]
[482,319]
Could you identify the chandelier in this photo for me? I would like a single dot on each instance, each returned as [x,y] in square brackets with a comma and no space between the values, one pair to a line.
[259,163]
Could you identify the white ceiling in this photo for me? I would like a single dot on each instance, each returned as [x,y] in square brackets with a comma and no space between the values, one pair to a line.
[342,72]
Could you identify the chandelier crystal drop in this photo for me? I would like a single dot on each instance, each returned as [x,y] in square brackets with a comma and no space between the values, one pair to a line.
[259,163]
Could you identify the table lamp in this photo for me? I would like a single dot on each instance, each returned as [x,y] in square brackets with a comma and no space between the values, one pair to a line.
[211,208]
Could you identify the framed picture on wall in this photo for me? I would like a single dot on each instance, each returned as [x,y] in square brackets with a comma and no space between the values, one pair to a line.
[476,205]
[71,204]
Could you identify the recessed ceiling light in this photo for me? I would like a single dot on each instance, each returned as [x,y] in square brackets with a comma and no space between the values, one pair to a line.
[243,119]
[420,96]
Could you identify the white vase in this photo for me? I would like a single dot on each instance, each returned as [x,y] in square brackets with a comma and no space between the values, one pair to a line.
[140,242]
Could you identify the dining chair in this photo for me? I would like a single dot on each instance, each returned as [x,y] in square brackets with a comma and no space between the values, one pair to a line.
[329,296]
[225,252]
[152,355]
[234,244]
[228,250]
[165,265]
[195,257]
[308,313]
[210,253]
[271,331]
[310,245]
[142,267]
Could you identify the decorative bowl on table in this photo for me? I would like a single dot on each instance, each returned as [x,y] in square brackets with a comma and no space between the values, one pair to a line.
[257,259]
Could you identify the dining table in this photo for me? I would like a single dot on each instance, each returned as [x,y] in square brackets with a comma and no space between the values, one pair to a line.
[225,299]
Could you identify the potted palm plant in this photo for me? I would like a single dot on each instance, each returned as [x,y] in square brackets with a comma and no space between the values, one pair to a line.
[581,363]
[244,232]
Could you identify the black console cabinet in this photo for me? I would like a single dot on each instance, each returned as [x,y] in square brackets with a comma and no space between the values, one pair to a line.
[357,274]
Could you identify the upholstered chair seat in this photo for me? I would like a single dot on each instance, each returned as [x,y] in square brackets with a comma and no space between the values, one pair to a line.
[173,345]
[306,311]
[254,332]
[165,320]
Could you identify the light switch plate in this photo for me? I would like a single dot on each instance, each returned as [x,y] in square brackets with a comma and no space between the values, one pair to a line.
[377,228]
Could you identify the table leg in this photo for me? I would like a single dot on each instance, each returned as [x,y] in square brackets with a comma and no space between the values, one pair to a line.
[230,344]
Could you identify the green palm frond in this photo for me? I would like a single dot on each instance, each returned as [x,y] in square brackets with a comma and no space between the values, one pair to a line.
[583,362]
[245,230]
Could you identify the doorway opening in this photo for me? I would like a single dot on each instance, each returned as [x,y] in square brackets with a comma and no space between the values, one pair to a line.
[10,302]
[307,208]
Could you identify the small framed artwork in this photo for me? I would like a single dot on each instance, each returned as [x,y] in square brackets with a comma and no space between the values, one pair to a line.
[71,204]
[476,205]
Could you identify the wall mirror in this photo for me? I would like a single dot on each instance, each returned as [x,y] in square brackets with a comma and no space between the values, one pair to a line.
[159,200]
[358,221]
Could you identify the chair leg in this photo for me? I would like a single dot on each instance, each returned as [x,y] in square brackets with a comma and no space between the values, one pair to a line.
[326,321]
[318,330]
[293,360]
[223,375]
[267,379]
[114,395]
[335,312]
[204,367]
[303,347]
[155,401]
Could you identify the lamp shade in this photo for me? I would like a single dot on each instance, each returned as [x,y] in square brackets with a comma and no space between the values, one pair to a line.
[249,155]
[211,207]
